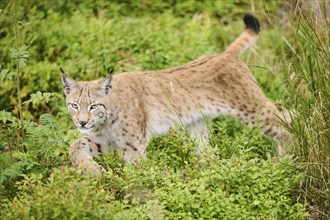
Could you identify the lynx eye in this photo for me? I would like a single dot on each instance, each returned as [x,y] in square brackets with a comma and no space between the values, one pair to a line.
[73,105]
[94,106]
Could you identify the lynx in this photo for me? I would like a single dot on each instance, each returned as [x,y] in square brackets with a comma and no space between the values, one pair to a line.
[126,110]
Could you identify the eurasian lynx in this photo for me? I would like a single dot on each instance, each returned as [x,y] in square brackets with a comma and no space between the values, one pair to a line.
[126,110]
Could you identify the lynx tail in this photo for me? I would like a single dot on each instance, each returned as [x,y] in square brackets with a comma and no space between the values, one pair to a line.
[246,38]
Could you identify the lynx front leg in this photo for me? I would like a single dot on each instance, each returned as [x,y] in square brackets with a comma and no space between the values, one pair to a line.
[81,155]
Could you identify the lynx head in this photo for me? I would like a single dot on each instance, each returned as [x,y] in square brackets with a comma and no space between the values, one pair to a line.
[87,101]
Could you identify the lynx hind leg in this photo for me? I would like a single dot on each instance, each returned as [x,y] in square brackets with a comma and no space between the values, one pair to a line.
[270,119]
[81,154]
[273,127]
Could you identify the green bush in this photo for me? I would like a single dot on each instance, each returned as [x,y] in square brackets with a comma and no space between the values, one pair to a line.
[65,194]
[205,188]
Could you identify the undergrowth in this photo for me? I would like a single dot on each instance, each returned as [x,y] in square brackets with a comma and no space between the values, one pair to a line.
[174,183]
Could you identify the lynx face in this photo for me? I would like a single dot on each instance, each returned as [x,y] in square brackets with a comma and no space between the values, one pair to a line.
[86,102]
[87,116]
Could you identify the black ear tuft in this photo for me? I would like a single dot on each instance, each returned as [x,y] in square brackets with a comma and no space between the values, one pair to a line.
[252,22]
[110,70]
[68,83]
[62,70]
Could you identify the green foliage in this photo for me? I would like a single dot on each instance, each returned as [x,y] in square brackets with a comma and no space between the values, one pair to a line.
[235,139]
[246,190]
[6,74]
[41,98]
[175,149]
[56,198]
[206,188]
[41,148]
[21,55]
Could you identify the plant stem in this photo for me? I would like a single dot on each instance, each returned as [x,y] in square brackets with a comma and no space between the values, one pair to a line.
[18,77]
[18,81]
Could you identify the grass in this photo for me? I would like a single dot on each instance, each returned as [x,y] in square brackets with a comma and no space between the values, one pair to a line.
[310,76]
[240,180]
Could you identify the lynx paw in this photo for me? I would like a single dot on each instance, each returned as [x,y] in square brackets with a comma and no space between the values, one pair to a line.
[91,167]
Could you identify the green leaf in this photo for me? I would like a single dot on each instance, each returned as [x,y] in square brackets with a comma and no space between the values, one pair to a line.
[7,117]
[39,97]
[13,53]
[21,55]
[6,74]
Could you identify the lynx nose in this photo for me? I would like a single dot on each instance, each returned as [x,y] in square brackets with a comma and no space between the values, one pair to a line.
[83,123]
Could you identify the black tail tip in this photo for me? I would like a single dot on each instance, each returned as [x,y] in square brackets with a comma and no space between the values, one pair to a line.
[252,22]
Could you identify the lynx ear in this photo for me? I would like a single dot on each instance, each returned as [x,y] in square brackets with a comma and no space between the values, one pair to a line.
[68,83]
[105,85]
